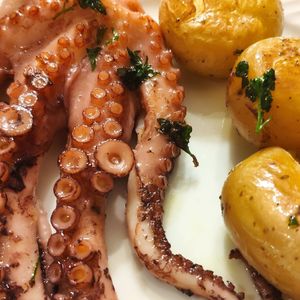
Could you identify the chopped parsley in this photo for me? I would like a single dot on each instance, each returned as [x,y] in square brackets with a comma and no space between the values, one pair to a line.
[178,133]
[93,4]
[33,276]
[100,34]
[92,54]
[137,73]
[115,37]
[242,70]
[293,221]
[64,10]
[258,89]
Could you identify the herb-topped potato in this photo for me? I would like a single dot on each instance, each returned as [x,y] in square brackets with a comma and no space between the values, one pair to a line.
[263,96]
[207,36]
[261,208]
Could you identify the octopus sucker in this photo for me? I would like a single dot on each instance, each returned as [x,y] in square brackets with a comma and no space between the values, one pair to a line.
[66,63]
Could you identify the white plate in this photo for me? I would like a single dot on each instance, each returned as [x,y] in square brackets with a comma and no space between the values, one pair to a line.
[193,220]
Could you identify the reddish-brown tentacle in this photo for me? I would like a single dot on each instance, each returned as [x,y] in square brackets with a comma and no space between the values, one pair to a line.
[101,117]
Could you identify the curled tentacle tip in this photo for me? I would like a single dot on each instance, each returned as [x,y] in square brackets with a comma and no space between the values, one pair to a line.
[114,157]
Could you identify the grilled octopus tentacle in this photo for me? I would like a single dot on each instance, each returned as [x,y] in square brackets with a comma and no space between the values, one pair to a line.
[27,127]
[101,118]
[154,155]
[23,124]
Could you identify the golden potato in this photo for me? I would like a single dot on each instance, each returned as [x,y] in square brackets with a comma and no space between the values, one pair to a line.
[261,201]
[207,36]
[283,129]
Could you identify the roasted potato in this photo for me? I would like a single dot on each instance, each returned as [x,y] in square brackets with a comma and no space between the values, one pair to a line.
[207,36]
[261,208]
[283,129]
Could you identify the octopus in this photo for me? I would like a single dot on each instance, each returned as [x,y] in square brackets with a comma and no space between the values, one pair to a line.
[90,67]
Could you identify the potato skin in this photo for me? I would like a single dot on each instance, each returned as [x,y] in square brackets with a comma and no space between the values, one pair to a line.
[258,197]
[206,36]
[283,130]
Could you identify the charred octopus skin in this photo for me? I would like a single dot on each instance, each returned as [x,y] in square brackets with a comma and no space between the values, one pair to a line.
[85,63]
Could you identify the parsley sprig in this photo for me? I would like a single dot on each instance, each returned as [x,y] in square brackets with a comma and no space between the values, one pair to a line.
[178,133]
[137,73]
[92,54]
[115,37]
[64,10]
[293,221]
[258,89]
[93,4]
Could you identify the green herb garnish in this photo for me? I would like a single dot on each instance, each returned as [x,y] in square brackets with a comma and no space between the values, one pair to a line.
[115,37]
[178,133]
[35,269]
[93,4]
[258,89]
[137,73]
[242,70]
[293,221]
[92,54]
[100,34]
[64,10]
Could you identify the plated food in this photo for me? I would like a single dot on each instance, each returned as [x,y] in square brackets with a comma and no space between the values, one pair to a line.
[208,36]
